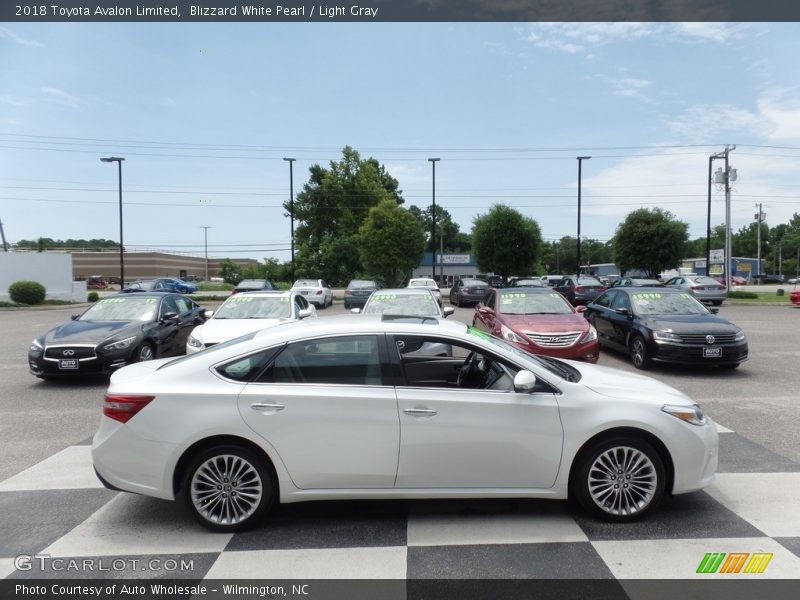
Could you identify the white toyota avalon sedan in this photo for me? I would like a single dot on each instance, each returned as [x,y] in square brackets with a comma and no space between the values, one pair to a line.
[344,408]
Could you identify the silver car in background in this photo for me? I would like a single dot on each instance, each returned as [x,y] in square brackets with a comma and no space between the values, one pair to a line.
[704,289]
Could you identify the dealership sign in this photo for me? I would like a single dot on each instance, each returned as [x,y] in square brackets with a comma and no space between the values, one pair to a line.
[453,259]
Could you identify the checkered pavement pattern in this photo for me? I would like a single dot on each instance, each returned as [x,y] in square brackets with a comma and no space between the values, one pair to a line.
[58,508]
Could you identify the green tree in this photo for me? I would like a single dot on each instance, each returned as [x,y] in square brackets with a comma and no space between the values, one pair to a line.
[331,208]
[230,271]
[452,238]
[651,240]
[505,242]
[391,241]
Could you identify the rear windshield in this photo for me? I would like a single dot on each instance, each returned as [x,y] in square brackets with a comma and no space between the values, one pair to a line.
[361,284]
[306,283]
[475,282]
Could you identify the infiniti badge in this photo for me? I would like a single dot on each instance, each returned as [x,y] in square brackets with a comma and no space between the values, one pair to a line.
[68,353]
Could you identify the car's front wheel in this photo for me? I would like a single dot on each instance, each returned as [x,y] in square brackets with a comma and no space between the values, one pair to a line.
[145,352]
[227,489]
[619,479]
[640,356]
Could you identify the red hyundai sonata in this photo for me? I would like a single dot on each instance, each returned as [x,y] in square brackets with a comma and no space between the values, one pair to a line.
[539,321]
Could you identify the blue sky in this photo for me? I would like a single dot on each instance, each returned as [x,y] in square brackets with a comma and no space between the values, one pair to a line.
[204,114]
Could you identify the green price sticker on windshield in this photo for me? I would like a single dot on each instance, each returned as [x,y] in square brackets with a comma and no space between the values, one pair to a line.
[647,296]
[385,297]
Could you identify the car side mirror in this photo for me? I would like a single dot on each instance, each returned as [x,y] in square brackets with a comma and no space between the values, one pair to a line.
[448,310]
[208,314]
[524,382]
[355,311]
[622,311]
[75,317]
[714,310]
[170,316]
[304,313]
[485,310]
[580,308]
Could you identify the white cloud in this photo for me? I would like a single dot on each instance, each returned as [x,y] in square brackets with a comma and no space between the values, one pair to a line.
[11,100]
[782,112]
[7,34]
[625,86]
[61,97]
[575,38]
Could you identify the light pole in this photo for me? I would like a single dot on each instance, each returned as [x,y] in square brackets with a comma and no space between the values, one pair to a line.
[759,216]
[119,160]
[291,208]
[580,162]
[205,229]
[711,159]
[433,162]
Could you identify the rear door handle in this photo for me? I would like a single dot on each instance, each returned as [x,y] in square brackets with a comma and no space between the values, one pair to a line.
[420,412]
[264,406]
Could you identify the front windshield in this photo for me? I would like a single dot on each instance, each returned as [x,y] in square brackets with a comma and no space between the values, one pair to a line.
[418,305]
[122,308]
[254,307]
[658,303]
[533,303]
[552,365]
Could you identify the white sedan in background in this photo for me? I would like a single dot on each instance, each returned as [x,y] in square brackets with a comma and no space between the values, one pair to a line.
[428,284]
[246,312]
[316,291]
[325,409]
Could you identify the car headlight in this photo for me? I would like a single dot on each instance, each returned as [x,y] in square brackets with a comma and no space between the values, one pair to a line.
[36,347]
[691,414]
[590,335]
[121,344]
[666,336]
[739,336]
[194,342]
[511,336]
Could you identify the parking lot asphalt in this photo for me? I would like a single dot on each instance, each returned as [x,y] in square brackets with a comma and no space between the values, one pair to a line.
[51,503]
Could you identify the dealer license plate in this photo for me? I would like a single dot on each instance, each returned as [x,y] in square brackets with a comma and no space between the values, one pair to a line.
[68,364]
[712,352]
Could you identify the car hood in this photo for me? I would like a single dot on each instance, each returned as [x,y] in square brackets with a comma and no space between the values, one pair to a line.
[215,331]
[91,332]
[546,323]
[691,323]
[616,383]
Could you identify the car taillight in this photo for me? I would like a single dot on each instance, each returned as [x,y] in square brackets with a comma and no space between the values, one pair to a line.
[234,292]
[579,288]
[697,287]
[319,292]
[123,408]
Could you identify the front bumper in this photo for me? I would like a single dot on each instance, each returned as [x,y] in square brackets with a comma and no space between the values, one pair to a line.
[693,354]
[100,365]
[586,352]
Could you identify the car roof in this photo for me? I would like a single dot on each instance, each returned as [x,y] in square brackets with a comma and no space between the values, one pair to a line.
[644,288]
[538,289]
[418,291]
[153,294]
[265,294]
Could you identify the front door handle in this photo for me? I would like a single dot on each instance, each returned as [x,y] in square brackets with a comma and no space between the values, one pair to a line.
[420,412]
[263,406]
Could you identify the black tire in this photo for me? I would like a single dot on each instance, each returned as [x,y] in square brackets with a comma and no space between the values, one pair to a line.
[145,352]
[640,356]
[716,302]
[613,501]
[216,509]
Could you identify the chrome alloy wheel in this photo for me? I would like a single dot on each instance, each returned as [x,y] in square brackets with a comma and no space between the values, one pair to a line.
[622,481]
[145,353]
[226,489]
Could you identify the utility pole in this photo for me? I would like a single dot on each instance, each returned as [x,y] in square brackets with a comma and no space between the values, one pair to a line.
[759,216]
[578,260]
[711,159]
[3,235]
[726,176]
[205,229]
[291,209]
[433,162]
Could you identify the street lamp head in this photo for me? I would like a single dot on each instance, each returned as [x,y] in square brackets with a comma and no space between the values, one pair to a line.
[434,159]
[289,159]
[583,157]
[112,159]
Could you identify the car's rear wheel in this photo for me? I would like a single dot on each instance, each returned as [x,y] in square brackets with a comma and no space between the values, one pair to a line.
[640,356]
[227,488]
[145,352]
[619,479]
